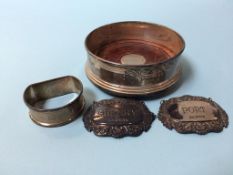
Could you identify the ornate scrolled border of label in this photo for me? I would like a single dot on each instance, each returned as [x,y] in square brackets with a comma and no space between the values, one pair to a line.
[198,127]
[118,131]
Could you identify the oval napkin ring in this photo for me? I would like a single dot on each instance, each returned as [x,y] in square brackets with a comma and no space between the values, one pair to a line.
[53,88]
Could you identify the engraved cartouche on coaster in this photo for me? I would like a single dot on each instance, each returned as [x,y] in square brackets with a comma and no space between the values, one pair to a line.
[118,118]
[191,114]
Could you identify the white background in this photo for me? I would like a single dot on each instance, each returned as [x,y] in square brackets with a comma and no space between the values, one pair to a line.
[44,39]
